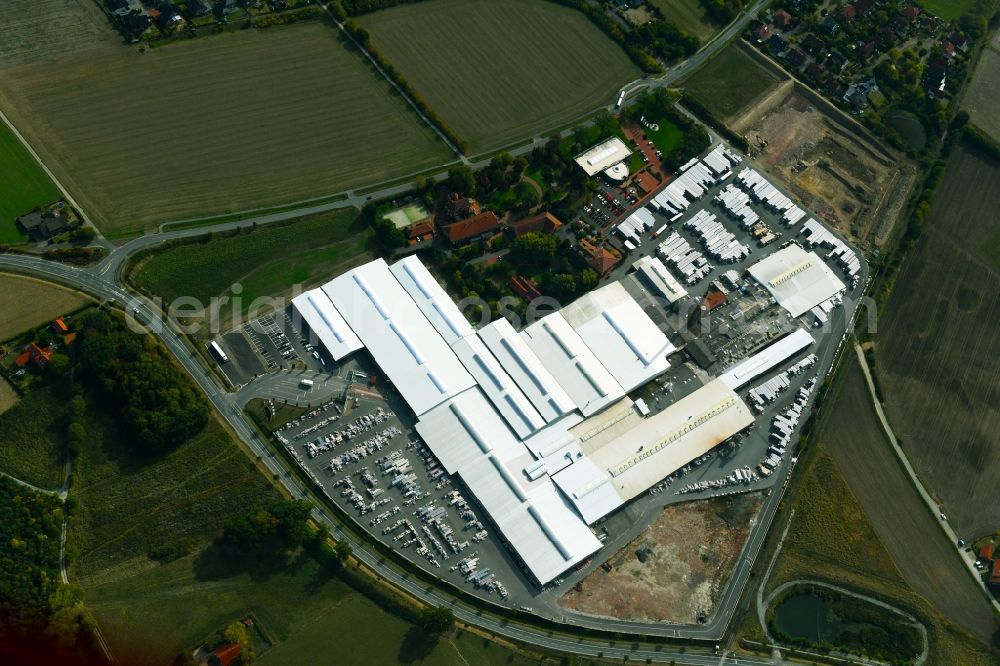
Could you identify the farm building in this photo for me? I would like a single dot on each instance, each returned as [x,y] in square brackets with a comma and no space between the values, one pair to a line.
[798,280]
[472,229]
[39,225]
[537,423]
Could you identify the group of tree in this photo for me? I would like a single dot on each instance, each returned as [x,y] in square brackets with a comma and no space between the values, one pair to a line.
[157,403]
[283,525]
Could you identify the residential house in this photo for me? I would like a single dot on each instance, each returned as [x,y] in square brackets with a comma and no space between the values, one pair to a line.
[781,18]
[936,77]
[763,33]
[42,225]
[34,353]
[198,8]
[420,231]
[796,58]
[814,45]
[461,208]
[546,223]
[524,287]
[225,655]
[830,25]
[600,258]
[848,12]
[472,229]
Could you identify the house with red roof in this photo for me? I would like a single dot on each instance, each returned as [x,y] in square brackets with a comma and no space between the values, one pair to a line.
[472,229]
[546,223]
[598,257]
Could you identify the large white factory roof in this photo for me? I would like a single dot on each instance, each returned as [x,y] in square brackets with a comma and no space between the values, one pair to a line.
[431,298]
[659,445]
[326,323]
[469,438]
[572,363]
[798,280]
[498,386]
[622,337]
[406,346]
[523,365]
[771,356]
[603,155]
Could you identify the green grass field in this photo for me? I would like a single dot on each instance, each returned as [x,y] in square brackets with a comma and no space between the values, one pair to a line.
[729,83]
[667,136]
[501,72]
[688,15]
[31,440]
[23,185]
[129,506]
[266,261]
[252,118]
[947,9]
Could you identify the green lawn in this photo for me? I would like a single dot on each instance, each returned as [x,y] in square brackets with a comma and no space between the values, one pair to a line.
[266,261]
[729,83]
[31,439]
[23,185]
[667,137]
[688,15]
[130,505]
[499,72]
[947,9]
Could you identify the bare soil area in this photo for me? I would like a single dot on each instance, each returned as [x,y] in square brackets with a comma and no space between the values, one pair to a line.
[848,183]
[676,569]
[8,397]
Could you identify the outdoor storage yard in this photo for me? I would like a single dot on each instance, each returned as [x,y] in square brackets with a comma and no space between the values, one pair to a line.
[212,125]
[500,72]
[676,569]
[937,347]
[855,186]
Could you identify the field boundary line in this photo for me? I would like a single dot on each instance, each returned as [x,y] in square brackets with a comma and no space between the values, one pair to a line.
[48,172]
[915,480]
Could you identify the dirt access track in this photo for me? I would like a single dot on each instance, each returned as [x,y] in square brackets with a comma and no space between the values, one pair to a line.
[836,167]
[676,569]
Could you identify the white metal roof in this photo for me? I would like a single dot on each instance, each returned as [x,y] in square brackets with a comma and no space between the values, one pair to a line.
[771,356]
[572,363]
[318,312]
[589,488]
[523,366]
[798,280]
[659,277]
[622,337]
[498,386]
[471,440]
[603,155]
[405,345]
[431,298]
[658,445]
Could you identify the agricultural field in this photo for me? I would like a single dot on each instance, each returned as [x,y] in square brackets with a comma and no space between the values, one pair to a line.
[936,347]
[498,73]
[32,438]
[267,261]
[312,616]
[25,185]
[210,126]
[8,396]
[130,508]
[34,30]
[831,539]
[47,302]
[688,15]
[676,569]
[949,10]
[927,560]
[984,90]
[730,83]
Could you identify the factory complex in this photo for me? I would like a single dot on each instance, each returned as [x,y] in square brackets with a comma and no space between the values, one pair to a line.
[538,423]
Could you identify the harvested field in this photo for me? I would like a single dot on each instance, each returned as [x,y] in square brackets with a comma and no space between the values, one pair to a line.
[924,555]
[34,30]
[854,186]
[688,15]
[937,345]
[501,72]
[26,303]
[676,569]
[730,83]
[8,396]
[984,91]
[208,126]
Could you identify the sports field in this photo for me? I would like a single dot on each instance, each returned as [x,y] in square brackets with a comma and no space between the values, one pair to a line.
[500,72]
[729,83]
[208,126]
[937,347]
[46,301]
[33,30]
[23,185]
[688,15]
[265,262]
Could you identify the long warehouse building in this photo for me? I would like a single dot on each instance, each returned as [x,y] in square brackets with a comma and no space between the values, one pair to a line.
[537,423]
